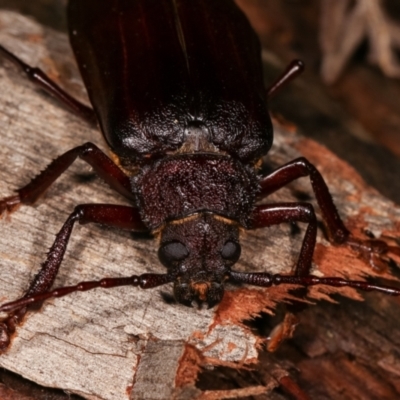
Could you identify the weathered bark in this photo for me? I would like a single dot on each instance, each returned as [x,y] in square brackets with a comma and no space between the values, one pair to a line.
[121,343]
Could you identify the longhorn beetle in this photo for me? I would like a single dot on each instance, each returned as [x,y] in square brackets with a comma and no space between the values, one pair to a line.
[176,87]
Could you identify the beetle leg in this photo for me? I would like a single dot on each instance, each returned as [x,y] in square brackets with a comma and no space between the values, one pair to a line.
[39,78]
[295,68]
[266,280]
[102,164]
[121,217]
[273,214]
[372,251]
[298,168]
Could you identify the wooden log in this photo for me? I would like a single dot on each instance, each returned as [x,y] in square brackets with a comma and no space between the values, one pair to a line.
[109,344]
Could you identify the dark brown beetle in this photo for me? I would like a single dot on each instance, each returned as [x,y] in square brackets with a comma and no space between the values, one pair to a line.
[175,87]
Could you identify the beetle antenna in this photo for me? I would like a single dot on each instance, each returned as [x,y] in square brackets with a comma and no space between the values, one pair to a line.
[266,280]
[145,281]
[294,69]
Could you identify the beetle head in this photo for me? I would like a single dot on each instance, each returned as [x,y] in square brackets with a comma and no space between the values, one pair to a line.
[199,250]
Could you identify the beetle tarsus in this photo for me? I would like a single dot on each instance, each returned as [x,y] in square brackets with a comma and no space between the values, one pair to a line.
[375,252]
[8,327]
[9,204]
[5,337]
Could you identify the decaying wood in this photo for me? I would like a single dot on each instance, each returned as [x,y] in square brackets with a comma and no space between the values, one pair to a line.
[127,343]
[157,369]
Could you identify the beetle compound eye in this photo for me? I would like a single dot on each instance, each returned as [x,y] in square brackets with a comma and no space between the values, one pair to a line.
[172,252]
[231,251]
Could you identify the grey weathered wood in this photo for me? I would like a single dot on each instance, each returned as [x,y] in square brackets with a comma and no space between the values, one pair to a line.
[156,373]
[98,344]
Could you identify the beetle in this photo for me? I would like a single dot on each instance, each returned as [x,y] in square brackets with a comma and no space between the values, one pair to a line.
[176,88]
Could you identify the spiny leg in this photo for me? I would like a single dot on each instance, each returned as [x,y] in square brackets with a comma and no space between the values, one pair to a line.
[90,153]
[121,217]
[39,78]
[337,231]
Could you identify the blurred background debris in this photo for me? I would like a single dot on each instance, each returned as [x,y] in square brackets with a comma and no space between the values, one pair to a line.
[344,25]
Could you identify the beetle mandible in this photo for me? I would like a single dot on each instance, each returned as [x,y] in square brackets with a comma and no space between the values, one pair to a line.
[176,87]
